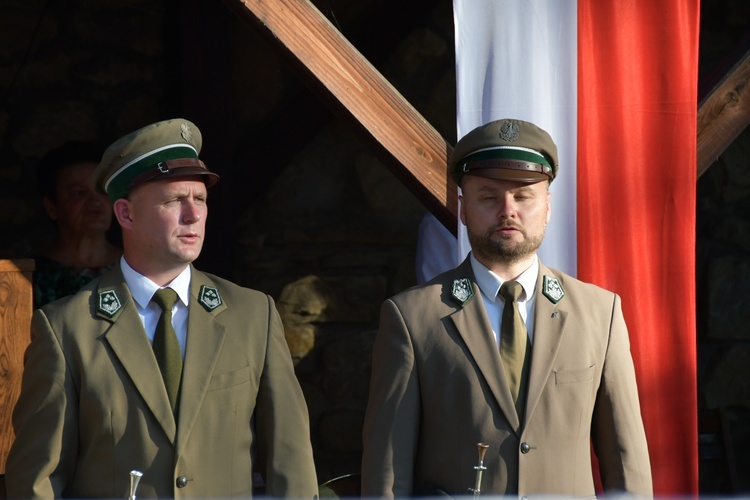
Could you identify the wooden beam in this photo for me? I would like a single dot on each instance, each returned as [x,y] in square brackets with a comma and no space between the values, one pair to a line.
[415,152]
[723,114]
[310,115]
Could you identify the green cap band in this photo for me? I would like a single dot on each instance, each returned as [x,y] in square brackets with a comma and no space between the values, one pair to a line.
[119,184]
[505,153]
[506,149]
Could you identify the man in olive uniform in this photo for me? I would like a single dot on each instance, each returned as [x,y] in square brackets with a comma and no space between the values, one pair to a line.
[212,401]
[503,351]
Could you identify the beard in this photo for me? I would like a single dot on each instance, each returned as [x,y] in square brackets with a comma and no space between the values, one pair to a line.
[502,249]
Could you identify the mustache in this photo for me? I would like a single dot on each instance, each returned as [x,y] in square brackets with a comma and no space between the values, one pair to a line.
[506,224]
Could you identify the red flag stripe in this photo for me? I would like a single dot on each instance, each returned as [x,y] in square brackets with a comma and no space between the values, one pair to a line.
[637,88]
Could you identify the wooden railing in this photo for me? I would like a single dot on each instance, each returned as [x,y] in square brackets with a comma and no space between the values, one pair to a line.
[16,305]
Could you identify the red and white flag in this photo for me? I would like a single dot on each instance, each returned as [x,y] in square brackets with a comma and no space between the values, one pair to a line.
[615,85]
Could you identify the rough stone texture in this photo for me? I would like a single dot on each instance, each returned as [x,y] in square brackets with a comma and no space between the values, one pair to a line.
[723,313]
[313,299]
[729,302]
[723,262]
[729,384]
[340,366]
[69,71]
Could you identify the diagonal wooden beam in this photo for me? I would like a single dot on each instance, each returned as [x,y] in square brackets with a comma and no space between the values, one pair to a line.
[414,151]
[723,114]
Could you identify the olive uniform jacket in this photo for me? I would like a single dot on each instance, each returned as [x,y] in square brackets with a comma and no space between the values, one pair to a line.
[438,388]
[93,405]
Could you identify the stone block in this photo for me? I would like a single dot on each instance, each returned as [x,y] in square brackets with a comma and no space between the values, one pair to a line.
[340,431]
[728,300]
[729,382]
[347,363]
[300,339]
[316,299]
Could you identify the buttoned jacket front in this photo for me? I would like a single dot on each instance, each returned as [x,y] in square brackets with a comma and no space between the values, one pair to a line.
[93,405]
[438,389]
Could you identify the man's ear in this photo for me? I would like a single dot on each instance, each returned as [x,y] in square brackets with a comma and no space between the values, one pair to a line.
[122,209]
[461,209]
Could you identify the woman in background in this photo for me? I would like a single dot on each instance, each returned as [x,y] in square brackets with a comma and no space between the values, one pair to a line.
[80,249]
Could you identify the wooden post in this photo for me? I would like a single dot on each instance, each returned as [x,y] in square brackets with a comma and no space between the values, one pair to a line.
[16,306]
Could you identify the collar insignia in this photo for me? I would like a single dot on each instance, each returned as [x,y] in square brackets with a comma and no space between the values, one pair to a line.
[462,291]
[109,303]
[552,289]
[209,298]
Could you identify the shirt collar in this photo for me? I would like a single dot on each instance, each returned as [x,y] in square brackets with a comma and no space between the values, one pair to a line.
[142,288]
[489,282]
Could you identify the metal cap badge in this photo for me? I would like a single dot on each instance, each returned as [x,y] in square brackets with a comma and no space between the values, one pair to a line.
[506,149]
[161,150]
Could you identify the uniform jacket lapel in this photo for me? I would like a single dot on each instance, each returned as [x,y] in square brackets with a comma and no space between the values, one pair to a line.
[130,344]
[470,319]
[204,340]
[549,328]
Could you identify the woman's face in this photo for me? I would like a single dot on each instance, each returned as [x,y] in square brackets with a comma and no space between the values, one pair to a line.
[77,207]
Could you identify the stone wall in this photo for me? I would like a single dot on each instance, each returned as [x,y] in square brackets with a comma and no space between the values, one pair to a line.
[70,71]
[723,309]
[722,267]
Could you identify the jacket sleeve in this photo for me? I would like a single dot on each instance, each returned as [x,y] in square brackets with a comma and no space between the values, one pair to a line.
[41,460]
[391,426]
[283,425]
[618,435]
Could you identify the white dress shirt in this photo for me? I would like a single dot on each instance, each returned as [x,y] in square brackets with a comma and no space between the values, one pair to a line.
[142,289]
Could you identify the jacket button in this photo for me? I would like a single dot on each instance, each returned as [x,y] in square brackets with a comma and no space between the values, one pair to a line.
[525,447]
[181,482]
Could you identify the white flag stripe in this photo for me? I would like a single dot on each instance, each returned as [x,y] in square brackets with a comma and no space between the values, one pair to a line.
[517,59]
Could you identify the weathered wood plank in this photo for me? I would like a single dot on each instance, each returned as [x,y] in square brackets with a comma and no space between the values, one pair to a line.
[414,150]
[723,114]
[15,334]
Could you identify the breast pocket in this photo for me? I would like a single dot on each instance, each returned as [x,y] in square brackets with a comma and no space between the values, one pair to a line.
[230,379]
[574,376]
[572,399]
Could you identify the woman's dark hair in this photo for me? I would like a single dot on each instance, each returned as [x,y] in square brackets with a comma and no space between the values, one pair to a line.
[51,164]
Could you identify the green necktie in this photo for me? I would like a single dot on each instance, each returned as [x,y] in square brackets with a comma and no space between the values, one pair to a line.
[514,343]
[166,347]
